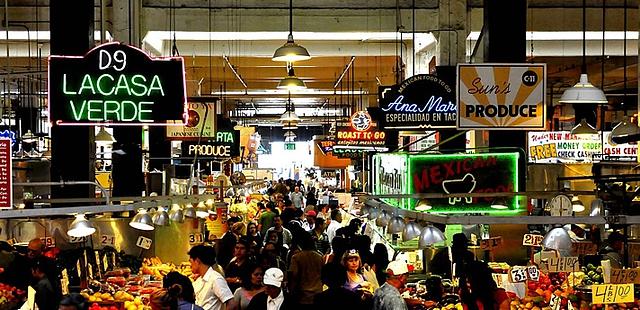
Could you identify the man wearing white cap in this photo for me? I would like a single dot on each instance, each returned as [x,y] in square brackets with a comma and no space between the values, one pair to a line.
[273,298]
[387,297]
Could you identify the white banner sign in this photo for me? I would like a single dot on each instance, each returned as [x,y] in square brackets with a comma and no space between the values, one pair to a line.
[563,147]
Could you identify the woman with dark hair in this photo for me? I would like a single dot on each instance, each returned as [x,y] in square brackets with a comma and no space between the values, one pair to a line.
[254,237]
[169,299]
[187,293]
[478,290]
[251,285]
[380,261]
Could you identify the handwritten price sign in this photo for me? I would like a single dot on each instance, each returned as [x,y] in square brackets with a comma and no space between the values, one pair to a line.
[533,273]
[584,248]
[563,264]
[521,274]
[624,276]
[532,240]
[489,244]
[612,293]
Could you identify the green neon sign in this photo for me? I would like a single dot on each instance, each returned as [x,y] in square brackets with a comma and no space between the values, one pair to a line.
[116,84]
[456,173]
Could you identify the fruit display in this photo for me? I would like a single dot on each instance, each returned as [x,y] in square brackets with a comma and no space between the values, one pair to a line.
[10,296]
[499,267]
[541,292]
[593,275]
[157,269]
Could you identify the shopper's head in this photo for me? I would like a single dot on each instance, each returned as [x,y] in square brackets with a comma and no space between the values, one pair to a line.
[251,277]
[459,241]
[252,229]
[339,245]
[166,298]
[334,275]
[35,248]
[336,215]
[616,241]
[351,260]
[39,267]
[296,189]
[186,287]
[272,280]
[311,216]
[319,225]
[272,236]
[270,249]
[277,222]
[238,229]
[397,273]
[73,302]
[201,258]
[242,248]
[477,284]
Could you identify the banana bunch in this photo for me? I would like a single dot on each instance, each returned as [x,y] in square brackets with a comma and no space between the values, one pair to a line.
[574,279]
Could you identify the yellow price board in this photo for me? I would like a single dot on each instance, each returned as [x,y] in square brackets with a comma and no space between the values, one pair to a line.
[612,293]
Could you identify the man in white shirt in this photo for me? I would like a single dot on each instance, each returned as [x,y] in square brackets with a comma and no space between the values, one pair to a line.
[297,198]
[272,298]
[336,220]
[211,289]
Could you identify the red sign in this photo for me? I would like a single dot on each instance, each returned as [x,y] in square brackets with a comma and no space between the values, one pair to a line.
[6,199]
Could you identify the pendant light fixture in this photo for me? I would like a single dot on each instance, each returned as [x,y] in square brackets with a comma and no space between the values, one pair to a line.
[80,227]
[104,137]
[291,51]
[142,221]
[583,91]
[430,235]
[291,81]
[423,205]
[557,239]
[396,225]
[289,126]
[161,217]
[584,128]
[411,231]
[499,204]
[176,214]
[289,114]
[626,131]
[576,204]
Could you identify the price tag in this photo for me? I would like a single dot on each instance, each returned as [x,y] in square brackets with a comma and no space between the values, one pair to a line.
[497,277]
[532,240]
[144,242]
[489,244]
[108,240]
[196,238]
[584,248]
[533,273]
[78,239]
[518,274]
[563,264]
[48,242]
[555,302]
[612,293]
[624,276]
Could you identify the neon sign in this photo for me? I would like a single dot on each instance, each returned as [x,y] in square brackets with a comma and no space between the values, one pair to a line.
[421,101]
[449,174]
[8,134]
[116,84]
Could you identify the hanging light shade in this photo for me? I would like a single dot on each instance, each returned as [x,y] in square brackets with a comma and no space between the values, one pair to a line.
[161,217]
[411,231]
[625,132]
[583,92]
[597,205]
[176,214]
[557,239]
[201,210]
[291,81]
[142,221]
[289,116]
[576,204]
[29,137]
[423,205]
[396,225]
[289,126]
[373,213]
[104,137]
[290,51]
[583,128]
[430,235]
[499,204]
[290,134]
[190,211]
[383,219]
[80,227]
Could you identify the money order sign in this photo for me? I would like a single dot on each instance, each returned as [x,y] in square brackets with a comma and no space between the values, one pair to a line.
[116,84]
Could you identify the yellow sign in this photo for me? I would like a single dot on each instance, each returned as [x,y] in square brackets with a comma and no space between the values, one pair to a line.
[501,96]
[195,122]
[612,293]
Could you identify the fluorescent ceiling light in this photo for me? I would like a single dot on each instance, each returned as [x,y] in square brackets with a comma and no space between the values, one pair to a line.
[43,35]
[569,35]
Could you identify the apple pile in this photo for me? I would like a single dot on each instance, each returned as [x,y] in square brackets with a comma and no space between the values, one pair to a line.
[96,306]
[539,293]
[10,294]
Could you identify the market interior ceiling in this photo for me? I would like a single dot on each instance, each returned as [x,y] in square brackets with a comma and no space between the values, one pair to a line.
[216,36]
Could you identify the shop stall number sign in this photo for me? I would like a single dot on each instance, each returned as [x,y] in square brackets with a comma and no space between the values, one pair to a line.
[109,240]
[144,242]
[563,264]
[521,274]
[584,248]
[532,240]
[77,239]
[612,293]
[196,238]
[624,276]
[489,244]
[48,242]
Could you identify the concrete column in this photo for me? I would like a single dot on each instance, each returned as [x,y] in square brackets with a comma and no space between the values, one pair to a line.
[127,175]
[451,32]
[73,148]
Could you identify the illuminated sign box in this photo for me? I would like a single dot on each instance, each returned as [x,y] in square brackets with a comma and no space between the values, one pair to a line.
[501,96]
[562,147]
[421,101]
[449,174]
[116,84]
[197,125]
[225,145]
